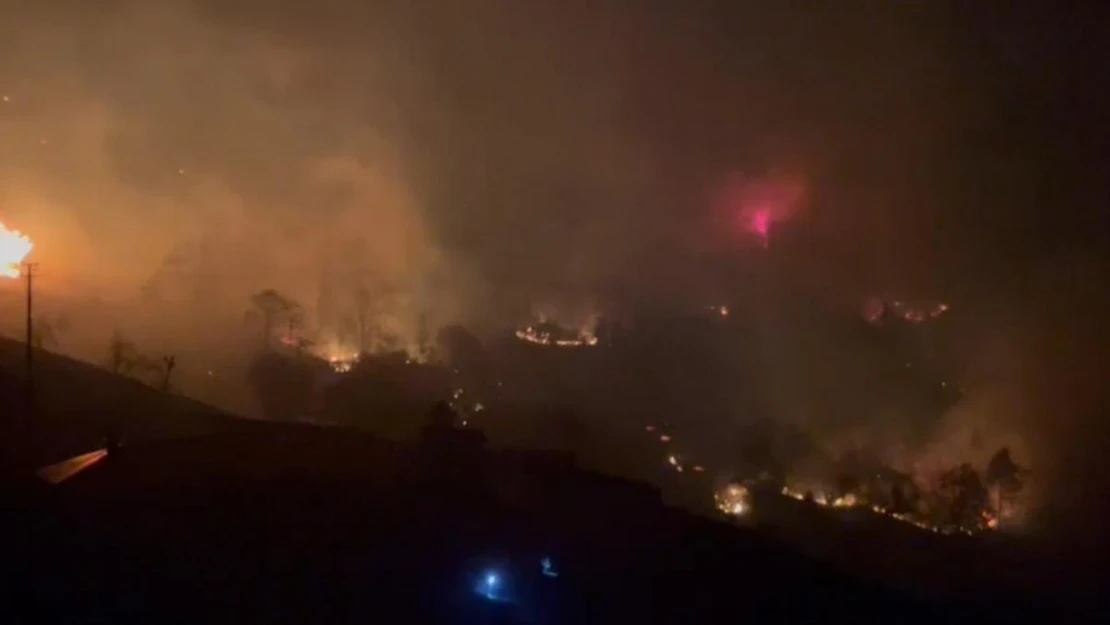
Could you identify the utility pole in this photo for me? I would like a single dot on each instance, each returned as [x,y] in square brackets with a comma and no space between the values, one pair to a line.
[29,273]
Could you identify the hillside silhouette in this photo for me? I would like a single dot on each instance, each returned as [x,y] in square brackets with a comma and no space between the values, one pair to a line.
[75,404]
[222,517]
[298,523]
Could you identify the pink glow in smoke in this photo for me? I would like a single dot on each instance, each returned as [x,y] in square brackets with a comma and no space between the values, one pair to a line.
[760,224]
[756,205]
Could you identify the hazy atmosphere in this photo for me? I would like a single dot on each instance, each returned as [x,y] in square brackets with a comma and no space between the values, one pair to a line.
[487,161]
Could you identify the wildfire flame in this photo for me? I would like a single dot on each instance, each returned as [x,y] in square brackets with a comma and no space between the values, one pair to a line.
[539,337]
[14,247]
[733,500]
[341,358]
[852,501]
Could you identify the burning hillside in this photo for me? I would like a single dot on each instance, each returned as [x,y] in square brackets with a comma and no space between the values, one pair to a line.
[341,359]
[961,502]
[551,333]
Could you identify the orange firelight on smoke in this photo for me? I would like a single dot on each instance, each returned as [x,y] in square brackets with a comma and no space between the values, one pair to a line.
[14,247]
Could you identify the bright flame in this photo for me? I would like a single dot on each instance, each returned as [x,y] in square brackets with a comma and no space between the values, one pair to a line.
[341,359]
[851,500]
[733,500]
[14,247]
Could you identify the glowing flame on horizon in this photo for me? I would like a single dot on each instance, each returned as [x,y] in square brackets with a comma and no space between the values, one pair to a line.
[339,357]
[539,337]
[14,247]
[733,500]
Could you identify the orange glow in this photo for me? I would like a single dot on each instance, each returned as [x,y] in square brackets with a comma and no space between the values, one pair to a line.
[733,500]
[14,247]
[62,471]
[531,335]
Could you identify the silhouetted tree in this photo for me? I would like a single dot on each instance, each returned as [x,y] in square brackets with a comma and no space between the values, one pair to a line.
[295,320]
[272,307]
[42,333]
[847,484]
[904,496]
[464,353]
[123,356]
[170,362]
[46,330]
[1004,475]
[898,504]
[368,307]
[968,499]
[422,338]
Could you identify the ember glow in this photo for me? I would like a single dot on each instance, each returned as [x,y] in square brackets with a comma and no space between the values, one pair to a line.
[14,247]
[340,358]
[916,312]
[851,501]
[545,335]
[733,500]
[876,309]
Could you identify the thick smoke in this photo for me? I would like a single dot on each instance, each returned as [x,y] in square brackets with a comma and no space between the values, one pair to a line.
[473,162]
[178,162]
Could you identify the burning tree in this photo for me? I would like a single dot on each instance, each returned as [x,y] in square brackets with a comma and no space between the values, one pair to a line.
[273,307]
[369,306]
[968,499]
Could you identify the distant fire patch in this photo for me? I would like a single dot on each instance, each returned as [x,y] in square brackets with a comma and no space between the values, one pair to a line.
[549,333]
[734,499]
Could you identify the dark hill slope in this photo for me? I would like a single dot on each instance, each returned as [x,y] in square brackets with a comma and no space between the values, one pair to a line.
[75,404]
[297,524]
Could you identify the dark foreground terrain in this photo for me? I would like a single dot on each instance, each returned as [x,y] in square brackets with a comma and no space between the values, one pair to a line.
[199,517]
[298,524]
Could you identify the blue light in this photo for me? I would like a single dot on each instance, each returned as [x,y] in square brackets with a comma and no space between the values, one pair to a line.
[490,586]
[548,569]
